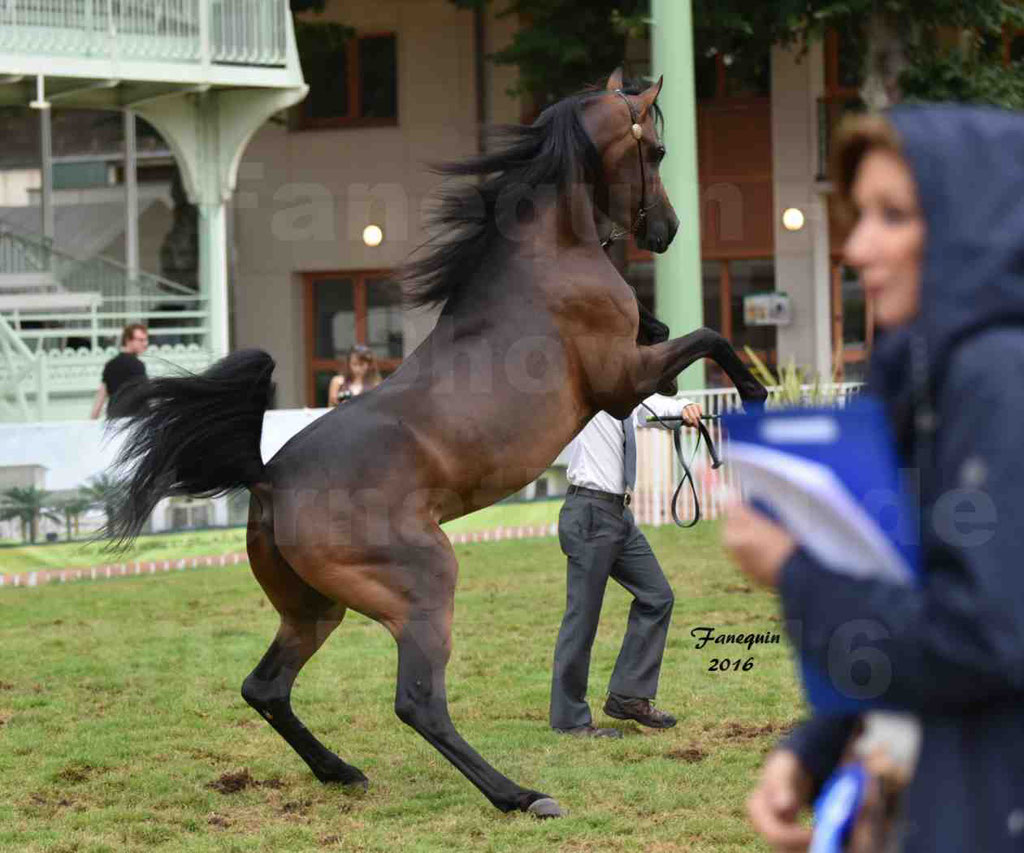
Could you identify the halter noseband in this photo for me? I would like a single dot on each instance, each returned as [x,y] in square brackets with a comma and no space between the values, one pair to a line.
[641,214]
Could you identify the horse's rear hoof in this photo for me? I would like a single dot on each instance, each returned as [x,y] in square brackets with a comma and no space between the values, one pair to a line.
[545,808]
[356,786]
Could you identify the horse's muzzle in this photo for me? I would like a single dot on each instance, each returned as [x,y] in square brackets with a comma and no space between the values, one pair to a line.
[657,235]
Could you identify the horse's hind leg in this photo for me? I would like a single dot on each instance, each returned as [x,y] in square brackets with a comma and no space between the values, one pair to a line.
[307,619]
[424,646]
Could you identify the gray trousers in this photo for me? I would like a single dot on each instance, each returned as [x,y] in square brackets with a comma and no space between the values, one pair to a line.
[601,540]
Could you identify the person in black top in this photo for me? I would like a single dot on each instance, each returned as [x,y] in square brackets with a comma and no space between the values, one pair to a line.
[122,370]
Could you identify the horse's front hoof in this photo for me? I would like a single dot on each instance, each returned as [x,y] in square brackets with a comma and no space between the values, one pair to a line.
[545,808]
[356,786]
[339,773]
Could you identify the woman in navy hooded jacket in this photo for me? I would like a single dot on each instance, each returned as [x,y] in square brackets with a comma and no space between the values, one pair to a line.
[937,198]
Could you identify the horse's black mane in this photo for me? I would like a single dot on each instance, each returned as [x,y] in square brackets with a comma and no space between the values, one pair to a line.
[553,151]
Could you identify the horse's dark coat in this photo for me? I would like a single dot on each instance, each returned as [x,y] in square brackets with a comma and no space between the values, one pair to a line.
[538,332]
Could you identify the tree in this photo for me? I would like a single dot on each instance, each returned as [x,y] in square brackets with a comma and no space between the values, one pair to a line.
[71,508]
[564,44]
[904,41]
[103,491]
[27,504]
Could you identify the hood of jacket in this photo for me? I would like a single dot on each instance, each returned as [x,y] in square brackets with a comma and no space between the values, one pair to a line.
[968,164]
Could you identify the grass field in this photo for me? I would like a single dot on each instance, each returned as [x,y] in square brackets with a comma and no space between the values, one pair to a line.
[71,555]
[120,711]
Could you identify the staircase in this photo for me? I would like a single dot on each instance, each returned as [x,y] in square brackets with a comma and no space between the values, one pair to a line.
[61,319]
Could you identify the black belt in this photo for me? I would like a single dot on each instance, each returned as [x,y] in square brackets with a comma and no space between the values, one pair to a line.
[621,500]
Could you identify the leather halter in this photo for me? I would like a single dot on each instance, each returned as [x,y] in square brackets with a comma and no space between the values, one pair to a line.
[641,215]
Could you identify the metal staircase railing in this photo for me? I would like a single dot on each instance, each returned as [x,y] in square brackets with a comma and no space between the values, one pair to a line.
[19,373]
[174,313]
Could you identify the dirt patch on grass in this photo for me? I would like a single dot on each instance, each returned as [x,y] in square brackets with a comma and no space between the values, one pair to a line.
[6,685]
[232,783]
[740,731]
[75,774]
[218,820]
[691,754]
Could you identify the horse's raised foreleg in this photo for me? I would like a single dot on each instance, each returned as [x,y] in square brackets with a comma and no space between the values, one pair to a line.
[424,646]
[661,363]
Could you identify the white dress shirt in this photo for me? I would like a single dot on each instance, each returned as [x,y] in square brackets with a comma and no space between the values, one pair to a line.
[596,459]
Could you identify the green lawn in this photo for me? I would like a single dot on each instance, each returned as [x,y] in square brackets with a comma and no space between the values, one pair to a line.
[70,555]
[119,706]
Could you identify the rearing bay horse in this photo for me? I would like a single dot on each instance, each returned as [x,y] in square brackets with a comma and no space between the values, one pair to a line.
[538,332]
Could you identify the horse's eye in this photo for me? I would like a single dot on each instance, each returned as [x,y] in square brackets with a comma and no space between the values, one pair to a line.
[659,153]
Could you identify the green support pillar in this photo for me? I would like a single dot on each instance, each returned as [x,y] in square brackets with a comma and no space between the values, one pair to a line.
[208,131]
[678,287]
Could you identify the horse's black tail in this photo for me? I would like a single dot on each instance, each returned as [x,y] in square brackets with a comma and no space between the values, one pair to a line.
[194,435]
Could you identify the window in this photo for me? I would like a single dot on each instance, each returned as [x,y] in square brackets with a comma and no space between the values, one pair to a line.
[1015,47]
[351,82]
[726,282]
[851,323]
[344,309]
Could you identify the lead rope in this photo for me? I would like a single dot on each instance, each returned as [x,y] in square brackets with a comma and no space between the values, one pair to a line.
[687,477]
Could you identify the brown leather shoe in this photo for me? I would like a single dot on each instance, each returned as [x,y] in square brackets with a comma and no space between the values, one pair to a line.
[639,709]
[590,731]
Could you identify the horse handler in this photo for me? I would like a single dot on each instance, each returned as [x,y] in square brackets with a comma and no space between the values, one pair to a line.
[599,537]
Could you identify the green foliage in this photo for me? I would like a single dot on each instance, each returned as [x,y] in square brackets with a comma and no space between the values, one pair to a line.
[566,45]
[791,388]
[102,491]
[71,508]
[27,504]
[953,77]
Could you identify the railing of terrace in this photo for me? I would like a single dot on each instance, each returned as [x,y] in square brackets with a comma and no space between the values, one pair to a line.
[249,32]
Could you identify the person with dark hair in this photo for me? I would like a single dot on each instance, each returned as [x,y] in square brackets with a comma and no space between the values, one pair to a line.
[361,375]
[936,195]
[122,371]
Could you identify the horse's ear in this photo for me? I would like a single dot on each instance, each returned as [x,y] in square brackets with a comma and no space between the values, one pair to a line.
[648,97]
[615,81]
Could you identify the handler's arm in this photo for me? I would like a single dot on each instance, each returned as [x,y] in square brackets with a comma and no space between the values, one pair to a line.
[664,407]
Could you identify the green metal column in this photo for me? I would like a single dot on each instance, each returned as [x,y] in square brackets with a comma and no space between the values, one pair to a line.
[213,273]
[678,289]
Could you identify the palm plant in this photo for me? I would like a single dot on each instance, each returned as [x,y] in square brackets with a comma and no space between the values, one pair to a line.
[71,508]
[27,504]
[787,389]
[102,490]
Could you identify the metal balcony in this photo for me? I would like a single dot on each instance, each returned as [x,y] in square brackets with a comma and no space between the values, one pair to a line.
[102,53]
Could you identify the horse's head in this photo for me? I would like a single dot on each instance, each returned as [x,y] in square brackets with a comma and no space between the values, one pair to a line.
[630,192]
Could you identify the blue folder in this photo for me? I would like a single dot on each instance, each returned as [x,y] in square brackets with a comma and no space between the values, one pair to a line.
[831,477]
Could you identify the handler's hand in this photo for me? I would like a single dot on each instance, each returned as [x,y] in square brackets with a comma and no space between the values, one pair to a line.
[692,414]
[783,790]
[756,544]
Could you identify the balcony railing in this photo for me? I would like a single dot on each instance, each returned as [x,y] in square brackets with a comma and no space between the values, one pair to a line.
[242,32]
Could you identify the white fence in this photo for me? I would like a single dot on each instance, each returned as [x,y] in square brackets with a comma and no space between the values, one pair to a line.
[658,472]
